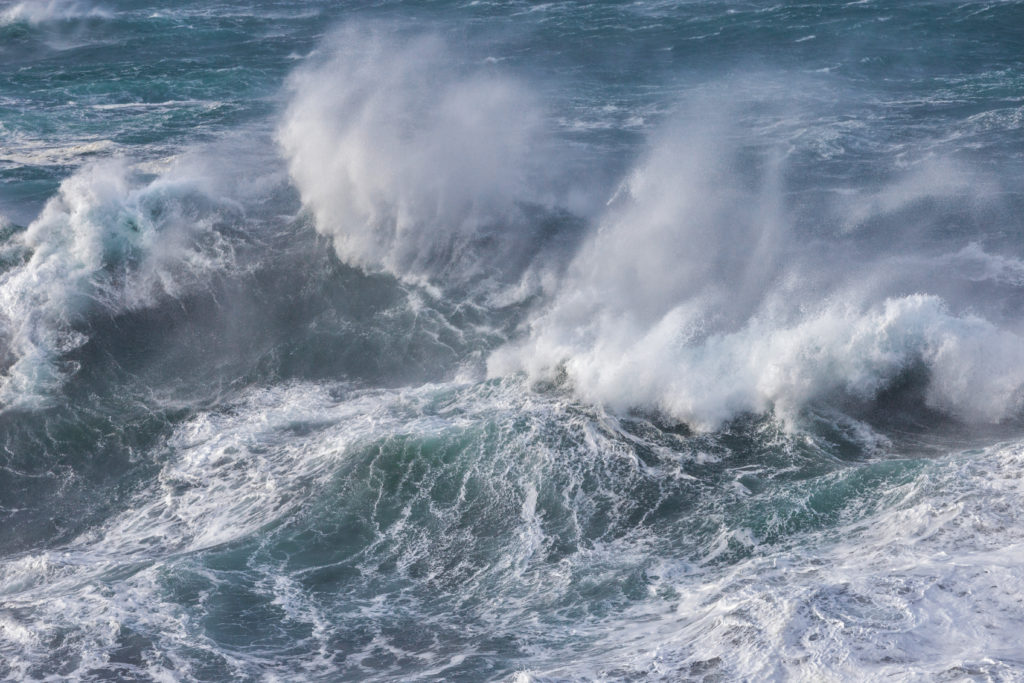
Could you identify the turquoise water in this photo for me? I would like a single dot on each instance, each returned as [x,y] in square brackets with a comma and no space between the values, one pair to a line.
[511,341]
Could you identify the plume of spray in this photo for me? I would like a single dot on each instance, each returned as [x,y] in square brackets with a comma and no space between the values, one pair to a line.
[414,162]
[695,297]
[694,294]
[40,11]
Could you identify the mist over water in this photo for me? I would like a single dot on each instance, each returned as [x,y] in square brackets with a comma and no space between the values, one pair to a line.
[501,341]
[701,296]
[408,165]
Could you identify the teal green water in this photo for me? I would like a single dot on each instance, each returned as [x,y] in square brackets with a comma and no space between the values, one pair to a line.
[511,341]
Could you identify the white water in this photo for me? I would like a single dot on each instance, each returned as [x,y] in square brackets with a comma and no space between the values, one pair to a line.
[695,296]
[108,241]
[273,523]
[39,11]
[912,569]
[920,581]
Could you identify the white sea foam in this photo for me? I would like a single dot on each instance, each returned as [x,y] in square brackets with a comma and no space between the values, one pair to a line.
[918,582]
[169,104]
[229,474]
[37,153]
[977,370]
[874,585]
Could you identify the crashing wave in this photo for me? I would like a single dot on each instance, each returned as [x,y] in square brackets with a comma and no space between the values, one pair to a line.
[109,241]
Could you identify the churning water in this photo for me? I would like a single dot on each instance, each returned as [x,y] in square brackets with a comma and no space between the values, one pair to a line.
[464,341]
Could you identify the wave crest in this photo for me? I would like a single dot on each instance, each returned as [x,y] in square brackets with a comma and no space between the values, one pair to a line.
[410,161]
[108,241]
[697,296]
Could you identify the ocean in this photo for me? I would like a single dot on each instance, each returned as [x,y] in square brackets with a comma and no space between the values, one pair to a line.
[430,340]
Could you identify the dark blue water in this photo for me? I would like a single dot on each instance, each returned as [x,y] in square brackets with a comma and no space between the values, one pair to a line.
[511,341]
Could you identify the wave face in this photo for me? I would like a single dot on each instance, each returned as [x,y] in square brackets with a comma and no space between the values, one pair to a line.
[504,341]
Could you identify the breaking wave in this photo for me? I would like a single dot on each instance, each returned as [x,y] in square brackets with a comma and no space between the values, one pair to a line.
[564,347]
[417,163]
[700,296]
[112,240]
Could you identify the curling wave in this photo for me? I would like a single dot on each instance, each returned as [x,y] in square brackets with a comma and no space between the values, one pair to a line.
[110,241]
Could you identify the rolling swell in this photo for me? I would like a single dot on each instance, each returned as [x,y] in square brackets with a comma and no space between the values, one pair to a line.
[525,360]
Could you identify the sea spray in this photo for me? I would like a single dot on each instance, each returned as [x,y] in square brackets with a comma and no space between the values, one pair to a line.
[416,163]
[746,277]
[110,241]
[40,11]
[697,296]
